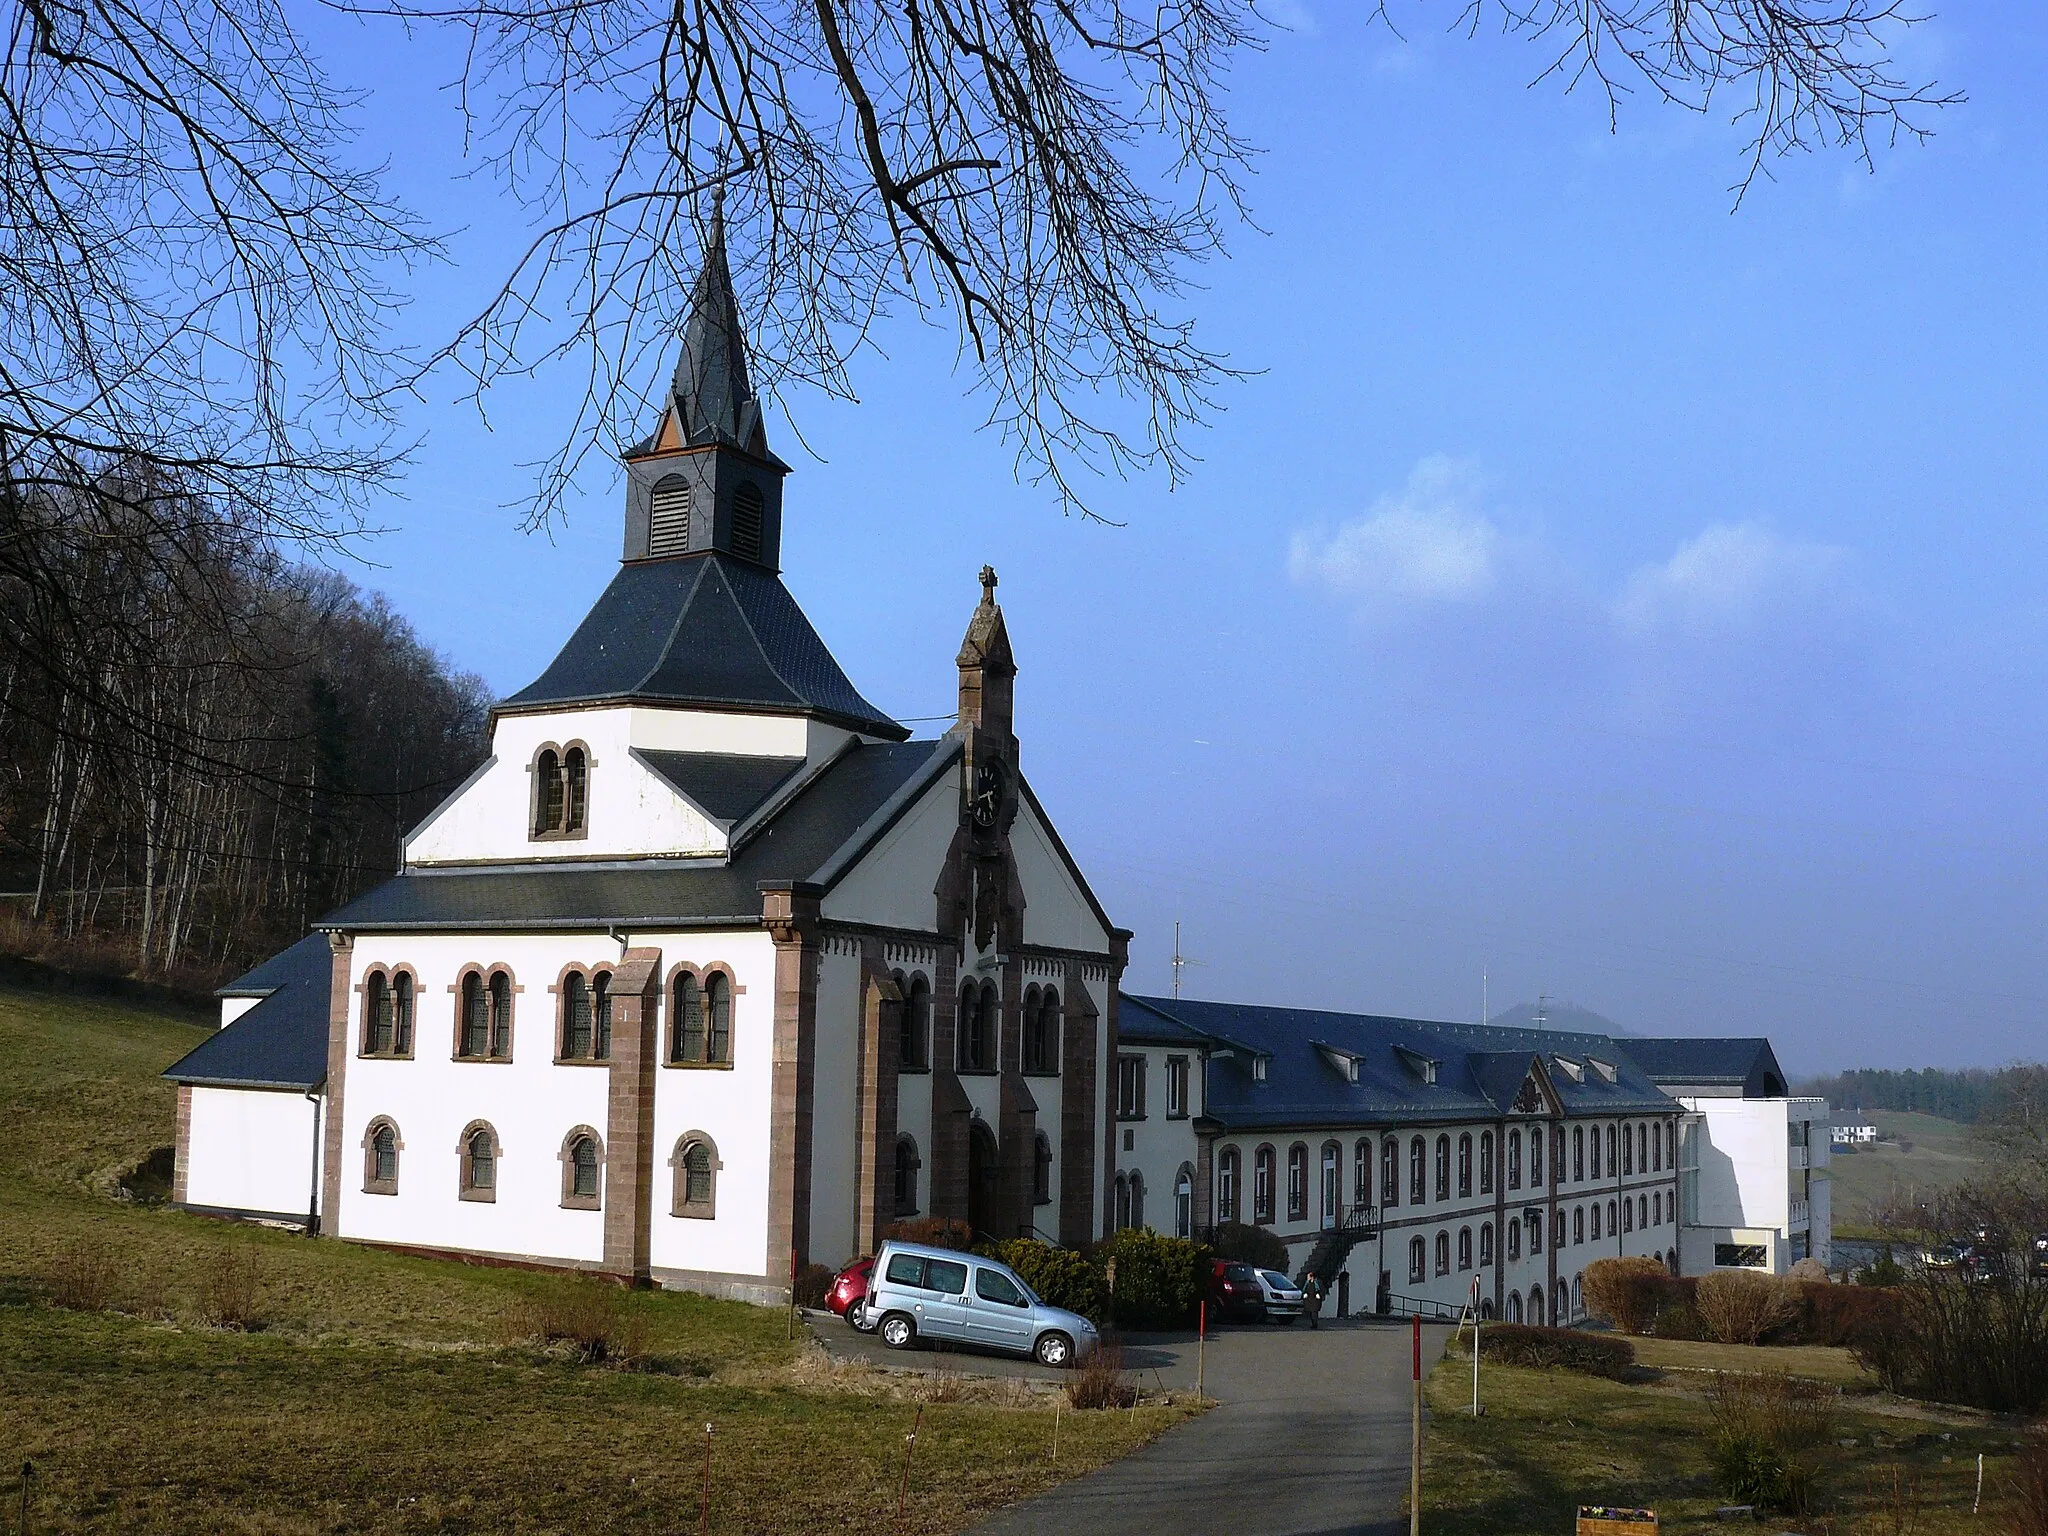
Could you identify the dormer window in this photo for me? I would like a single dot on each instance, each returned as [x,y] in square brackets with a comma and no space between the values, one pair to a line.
[561,791]
[668,520]
[747,518]
[1571,1069]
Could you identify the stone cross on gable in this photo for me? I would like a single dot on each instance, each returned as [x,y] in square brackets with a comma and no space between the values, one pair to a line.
[988,584]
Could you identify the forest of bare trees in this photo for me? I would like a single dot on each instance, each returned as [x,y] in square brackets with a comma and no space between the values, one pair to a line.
[205,747]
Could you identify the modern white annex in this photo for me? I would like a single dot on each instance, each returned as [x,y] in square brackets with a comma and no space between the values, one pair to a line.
[708,971]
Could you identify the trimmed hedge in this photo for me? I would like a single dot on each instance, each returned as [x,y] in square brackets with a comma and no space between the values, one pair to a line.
[1059,1275]
[1569,1349]
[1156,1282]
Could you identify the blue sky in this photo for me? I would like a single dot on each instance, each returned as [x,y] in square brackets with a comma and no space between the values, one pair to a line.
[1597,588]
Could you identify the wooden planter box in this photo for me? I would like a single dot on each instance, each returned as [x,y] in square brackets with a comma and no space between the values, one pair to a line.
[1603,1520]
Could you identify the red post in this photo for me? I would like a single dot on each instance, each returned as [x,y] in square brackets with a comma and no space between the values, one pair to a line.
[1415,1448]
[1202,1351]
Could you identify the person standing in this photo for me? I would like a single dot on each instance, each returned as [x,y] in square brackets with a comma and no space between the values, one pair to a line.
[1312,1298]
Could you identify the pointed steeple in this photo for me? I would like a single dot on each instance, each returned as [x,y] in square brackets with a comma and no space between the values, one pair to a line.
[987,669]
[712,398]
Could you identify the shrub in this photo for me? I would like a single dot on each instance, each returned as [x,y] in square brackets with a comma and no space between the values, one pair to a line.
[1843,1314]
[1764,1426]
[81,1278]
[591,1316]
[1249,1245]
[933,1231]
[1100,1382]
[1595,1354]
[1885,1270]
[1740,1306]
[2029,1512]
[813,1285]
[1153,1281]
[1626,1292]
[233,1282]
[1059,1275]
[1681,1321]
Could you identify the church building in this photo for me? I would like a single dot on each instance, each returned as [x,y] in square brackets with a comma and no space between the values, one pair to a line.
[709,970]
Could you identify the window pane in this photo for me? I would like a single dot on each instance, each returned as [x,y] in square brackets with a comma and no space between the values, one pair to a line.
[402,1010]
[576,1031]
[578,790]
[689,1015]
[697,1174]
[584,1159]
[720,990]
[945,1276]
[906,1269]
[501,1015]
[994,1285]
[601,989]
[476,1020]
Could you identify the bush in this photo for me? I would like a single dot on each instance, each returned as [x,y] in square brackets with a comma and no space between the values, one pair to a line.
[1153,1281]
[591,1316]
[813,1285]
[1884,1271]
[1100,1382]
[1843,1314]
[1595,1354]
[233,1281]
[1626,1292]
[81,1278]
[1763,1428]
[1248,1245]
[2029,1514]
[1681,1321]
[1740,1306]
[933,1231]
[1059,1275]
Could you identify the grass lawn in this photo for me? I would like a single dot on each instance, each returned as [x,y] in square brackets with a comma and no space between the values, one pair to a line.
[389,1393]
[1815,1362]
[1551,1440]
[1922,1156]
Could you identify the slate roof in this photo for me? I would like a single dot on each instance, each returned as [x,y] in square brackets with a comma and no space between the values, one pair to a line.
[704,629]
[815,837]
[1480,1068]
[1747,1063]
[282,1041]
[725,786]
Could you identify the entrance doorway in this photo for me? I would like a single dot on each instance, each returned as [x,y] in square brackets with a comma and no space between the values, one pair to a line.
[984,1178]
[1333,1184]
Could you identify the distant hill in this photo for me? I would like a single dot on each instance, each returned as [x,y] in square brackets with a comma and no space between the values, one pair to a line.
[1569,1017]
[1960,1096]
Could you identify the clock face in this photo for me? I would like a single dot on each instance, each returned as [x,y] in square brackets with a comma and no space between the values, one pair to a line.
[987,802]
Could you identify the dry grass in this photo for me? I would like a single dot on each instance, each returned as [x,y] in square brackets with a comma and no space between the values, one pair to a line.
[391,1393]
[1101,1382]
[1814,1362]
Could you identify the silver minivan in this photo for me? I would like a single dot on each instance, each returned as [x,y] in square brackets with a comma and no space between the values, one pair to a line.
[960,1298]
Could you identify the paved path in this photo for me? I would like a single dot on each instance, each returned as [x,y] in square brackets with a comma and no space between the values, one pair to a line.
[1311,1438]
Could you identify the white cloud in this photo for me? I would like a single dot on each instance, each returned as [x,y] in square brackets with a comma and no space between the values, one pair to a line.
[1290,15]
[1732,576]
[1425,544]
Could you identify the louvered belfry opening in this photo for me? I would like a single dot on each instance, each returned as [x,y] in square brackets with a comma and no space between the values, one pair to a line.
[668,531]
[746,521]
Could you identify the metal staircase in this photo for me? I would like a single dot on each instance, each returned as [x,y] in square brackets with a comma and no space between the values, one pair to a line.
[1334,1246]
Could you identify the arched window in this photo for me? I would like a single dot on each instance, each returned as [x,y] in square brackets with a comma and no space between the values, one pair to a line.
[1485,1243]
[1535,1157]
[695,1167]
[1514,1306]
[1390,1172]
[1417,1259]
[501,1016]
[1536,1305]
[1578,1152]
[1628,1215]
[1443,1253]
[1628,1151]
[601,1010]
[1593,1220]
[1041,1170]
[579,1019]
[915,1046]
[1042,1031]
[1443,1167]
[1465,1166]
[1184,1202]
[1262,1186]
[907,1164]
[480,1153]
[1557,1230]
[1464,1248]
[1671,1142]
[550,793]
[1297,1182]
[1486,1162]
[747,517]
[1418,1170]
[1643,1211]
[1578,1224]
[1361,1172]
[718,1003]
[1137,1198]
[1226,1185]
[978,1023]
[484,1031]
[1612,1229]
[1123,1203]
[582,1170]
[381,1147]
[377,1015]
[1593,1154]
[700,1020]
[1578,1295]
[1612,1165]
[1557,1155]
[668,517]
[1656,1150]
[1514,1159]
[576,773]
[1535,1225]
[1513,1229]
[1657,1208]
[1643,1145]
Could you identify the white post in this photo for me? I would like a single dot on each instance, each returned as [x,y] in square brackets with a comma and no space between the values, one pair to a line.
[1475,1346]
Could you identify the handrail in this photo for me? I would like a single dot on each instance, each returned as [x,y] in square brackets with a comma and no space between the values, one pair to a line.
[1423,1306]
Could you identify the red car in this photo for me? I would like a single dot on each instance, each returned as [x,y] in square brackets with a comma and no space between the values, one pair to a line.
[1234,1291]
[849,1295]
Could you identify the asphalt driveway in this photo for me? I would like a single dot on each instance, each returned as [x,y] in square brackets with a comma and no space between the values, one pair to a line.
[1311,1438]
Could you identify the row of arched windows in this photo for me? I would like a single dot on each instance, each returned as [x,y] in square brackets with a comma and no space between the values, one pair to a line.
[909,1165]
[977,1029]
[480,1155]
[700,1027]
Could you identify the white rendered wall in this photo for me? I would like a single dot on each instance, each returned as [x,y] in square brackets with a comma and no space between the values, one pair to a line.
[250,1150]
[1161,1145]
[1743,1162]
[1057,914]
[835,1107]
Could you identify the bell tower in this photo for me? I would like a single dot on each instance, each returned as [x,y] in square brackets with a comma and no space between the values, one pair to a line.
[705,479]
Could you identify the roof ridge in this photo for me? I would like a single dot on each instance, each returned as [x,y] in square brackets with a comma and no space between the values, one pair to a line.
[760,645]
[675,628]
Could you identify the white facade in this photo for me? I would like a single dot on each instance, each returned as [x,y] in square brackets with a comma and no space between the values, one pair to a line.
[1755,1190]
[251,1151]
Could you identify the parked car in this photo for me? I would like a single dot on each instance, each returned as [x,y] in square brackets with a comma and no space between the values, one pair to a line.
[2038,1255]
[848,1296]
[1234,1290]
[960,1298]
[1945,1255]
[1283,1300]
